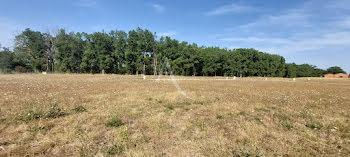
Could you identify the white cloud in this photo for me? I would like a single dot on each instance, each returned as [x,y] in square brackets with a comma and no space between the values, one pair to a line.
[324,41]
[158,8]
[230,8]
[295,30]
[169,34]
[256,40]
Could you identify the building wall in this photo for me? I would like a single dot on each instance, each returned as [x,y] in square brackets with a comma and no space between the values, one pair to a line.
[341,75]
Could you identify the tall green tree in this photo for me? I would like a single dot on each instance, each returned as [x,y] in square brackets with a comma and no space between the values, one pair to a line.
[32,44]
[119,50]
[140,51]
[70,48]
[291,70]
[335,70]
[6,60]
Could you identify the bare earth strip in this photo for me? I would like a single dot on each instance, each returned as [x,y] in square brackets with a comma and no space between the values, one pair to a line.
[68,115]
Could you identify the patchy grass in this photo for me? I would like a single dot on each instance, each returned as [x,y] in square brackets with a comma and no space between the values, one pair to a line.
[31,115]
[115,149]
[287,125]
[282,117]
[245,117]
[242,113]
[314,124]
[79,109]
[55,111]
[262,110]
[219,117]
[114,122]
[170,107]
[36,128]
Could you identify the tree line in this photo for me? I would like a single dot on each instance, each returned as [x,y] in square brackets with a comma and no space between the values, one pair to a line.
[139,51]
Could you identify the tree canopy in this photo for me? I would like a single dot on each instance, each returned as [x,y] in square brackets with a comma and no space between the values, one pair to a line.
[335,70]
[140,51]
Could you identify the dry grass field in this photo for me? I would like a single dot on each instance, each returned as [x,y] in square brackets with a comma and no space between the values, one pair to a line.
[114,115]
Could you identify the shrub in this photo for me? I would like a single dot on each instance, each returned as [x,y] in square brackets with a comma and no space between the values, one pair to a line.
[20,69]
[114,122]
[55,111]
[32,115]
[124,134]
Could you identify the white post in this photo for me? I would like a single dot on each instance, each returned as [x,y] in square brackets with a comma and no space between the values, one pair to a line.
[234,77]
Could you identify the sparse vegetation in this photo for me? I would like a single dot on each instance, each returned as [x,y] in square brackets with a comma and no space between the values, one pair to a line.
[287,125]
[170,107]
[112,115]
[79,109]
[219,117]
[282,117]
[314,124]
[262,110]
[55,111]
[114,122]
[115,149]
[242,113]
[32,115]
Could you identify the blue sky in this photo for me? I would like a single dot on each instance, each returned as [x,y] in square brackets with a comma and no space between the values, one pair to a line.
[303,31]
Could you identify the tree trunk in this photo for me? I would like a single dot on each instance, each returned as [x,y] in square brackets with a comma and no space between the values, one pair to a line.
[155,64]
[144,63]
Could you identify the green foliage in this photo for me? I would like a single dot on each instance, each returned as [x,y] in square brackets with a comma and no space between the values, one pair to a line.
[242,113]
[314,124]
[335,70]
[79,109]
[304,70]
[287,125]
[32,115]
[124,134]
[70,48]
[219,117]
[6,57]
[35,129]
[282,117]
[138,52]
[170,107]
[262,110]
[114,122]
[55,111]
[291,70]
[32,44]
